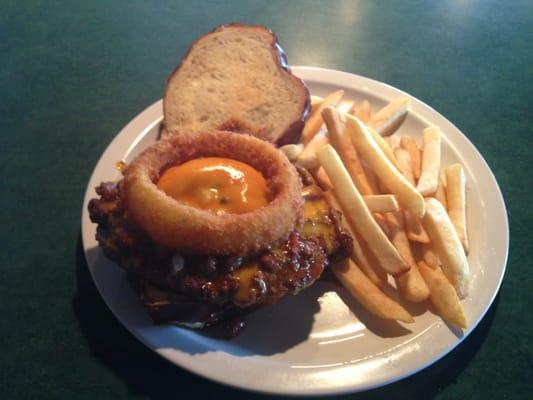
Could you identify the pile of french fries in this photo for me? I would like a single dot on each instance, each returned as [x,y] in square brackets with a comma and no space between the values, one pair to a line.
[405,211]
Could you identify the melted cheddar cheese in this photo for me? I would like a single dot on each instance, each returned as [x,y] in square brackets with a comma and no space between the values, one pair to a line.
[219,185]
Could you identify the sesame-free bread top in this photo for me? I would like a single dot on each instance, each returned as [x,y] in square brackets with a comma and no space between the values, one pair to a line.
[236,78]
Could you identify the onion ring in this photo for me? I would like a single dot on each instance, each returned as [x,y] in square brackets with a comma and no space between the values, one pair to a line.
[192,230]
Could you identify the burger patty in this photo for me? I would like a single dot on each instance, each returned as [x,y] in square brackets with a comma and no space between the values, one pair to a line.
[211,288]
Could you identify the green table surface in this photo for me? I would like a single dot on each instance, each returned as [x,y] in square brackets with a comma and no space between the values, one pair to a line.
[72,74]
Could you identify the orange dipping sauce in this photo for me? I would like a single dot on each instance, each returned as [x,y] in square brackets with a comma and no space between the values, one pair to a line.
[220,185]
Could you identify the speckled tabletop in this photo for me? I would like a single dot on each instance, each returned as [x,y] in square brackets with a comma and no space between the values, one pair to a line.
[72,74]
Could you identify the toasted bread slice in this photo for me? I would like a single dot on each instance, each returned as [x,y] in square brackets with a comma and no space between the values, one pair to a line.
[237,78]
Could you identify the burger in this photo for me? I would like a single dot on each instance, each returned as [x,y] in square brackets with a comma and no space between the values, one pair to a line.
[211,225]
[212,221]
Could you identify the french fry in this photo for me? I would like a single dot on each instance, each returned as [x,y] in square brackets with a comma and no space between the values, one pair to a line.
[456,197]
[443,296]
[363,112]
[440,194]
[384,146]
[382,187]
[411,284]
[381,203]
[353,162]
[413,226]
[373,263]
[429,175]
[322,179]
[292,151]
[368,294]
[313,124]
[360,254]
[367,147]
[307,158]
[380,219]
[428,255]
[357,213]
[366,260]
[405,164]
[345,106]
[378,203]
[447,245]
[393,142]
[408,143]
[338,135]
[387,120]
[315,100]
[371,176]
[415,229]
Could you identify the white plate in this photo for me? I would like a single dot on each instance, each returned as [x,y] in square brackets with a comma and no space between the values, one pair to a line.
[319,342]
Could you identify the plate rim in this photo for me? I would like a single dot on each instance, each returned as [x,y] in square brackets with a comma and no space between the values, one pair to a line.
[331,77]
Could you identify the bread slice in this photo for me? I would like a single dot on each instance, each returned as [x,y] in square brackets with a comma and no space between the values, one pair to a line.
[236,78]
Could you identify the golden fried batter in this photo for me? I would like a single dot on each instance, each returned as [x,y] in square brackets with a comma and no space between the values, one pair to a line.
[192,230]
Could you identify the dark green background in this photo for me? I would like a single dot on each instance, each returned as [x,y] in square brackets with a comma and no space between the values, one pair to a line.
[73,73]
